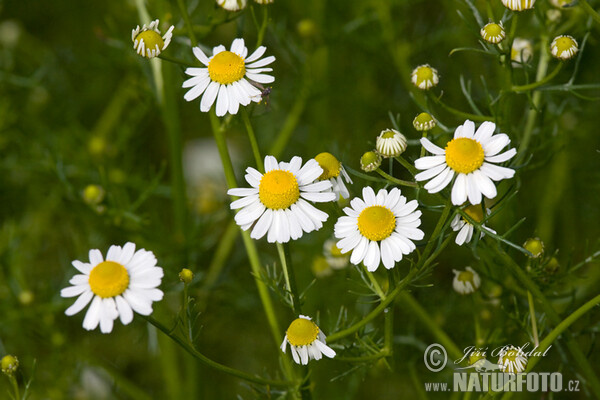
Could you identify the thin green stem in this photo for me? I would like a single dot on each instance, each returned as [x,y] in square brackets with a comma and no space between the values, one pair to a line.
[459,113]
[253,142]
[424,135]
[288,273]
[213,364]
[437,332]
[174,60]
[263,27]
[534,329]
[536,99]
[388,329]
[534,85]
[184,310]
[395,180]
[188,24]
[15,385]
[409,167]
[588,9]
[375,284]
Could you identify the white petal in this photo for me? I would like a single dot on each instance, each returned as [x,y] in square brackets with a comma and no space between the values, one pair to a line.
[507,155]
[95,257]
[257,54]
[92,317]
[234,104]
[429,162]
[473,191]
[462,235]
[318,197]
[197,90]
[237,46]
[73,291]
[459,190]
[432,148]
[440,182]
[222,101]
[430,173]
[496,172]
[369,196]
[260,78]
[80,303]
[200,55]
[241,192]
[485,184]
[261,63]
[309,172]
[270,163]
[465,130]
[485,132]
[316,186]
[359,252]
[326,350]
[125,311]
[209,96]
[126,253]
[218,49]
[372,258]
[137,303]
[294,224]
[495,144]
[387,255]
[244,201]
[84,268]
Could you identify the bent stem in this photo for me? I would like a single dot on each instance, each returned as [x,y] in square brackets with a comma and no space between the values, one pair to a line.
[213,364]
[395,180]
[534,85]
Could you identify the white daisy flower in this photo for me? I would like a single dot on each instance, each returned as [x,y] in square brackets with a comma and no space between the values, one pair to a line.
[425,77]
[512,360]
[277,200]
[518,5]
[464,228]
[471,156]
[227,77]
[521,52]
[126,281]
[333,255]
[390,143]
[307,341]
[147,41]
[564,47]
[232,5]
[493,33]
[334,171]
[466,282]
[379,228]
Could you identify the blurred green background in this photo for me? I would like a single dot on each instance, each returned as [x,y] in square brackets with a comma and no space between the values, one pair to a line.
[80,107]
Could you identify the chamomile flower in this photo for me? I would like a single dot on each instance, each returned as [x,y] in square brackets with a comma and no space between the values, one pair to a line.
[564,47]
[147,41]
[512,360]
[232,5]
[334,256]
[226,77]
[277,205]
[307,341]
[334,171]
[561,3]
[518,5]
[535,246]
[464,228]
[370,161]
[390,143]
[379,228]
[264,1]
[425,77]
[472,157]
[493,33]
[126,281]
[466,282]
[424,122]
[521,52]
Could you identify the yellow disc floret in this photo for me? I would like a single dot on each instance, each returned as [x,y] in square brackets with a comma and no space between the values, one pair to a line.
[465,276]
[330,164]
[376,222]
[278,189]
[108,279]
[226,67]
[464,155]
[151,39]
[302,332]
[475,212]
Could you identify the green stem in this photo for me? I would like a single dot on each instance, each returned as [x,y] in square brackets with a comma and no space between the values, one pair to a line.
[263,27]
[173,60]
[587,8]
[411,168]
[531,86]
[395,180]
[213,364]
[375,284]
[15,386]
[188,24]
[438,333]
[424,135]
[253,142]
[255,263]
[288,273]
[184,310]
[534,330]
[537,96]
[291,121]
[459,113]
[388,329]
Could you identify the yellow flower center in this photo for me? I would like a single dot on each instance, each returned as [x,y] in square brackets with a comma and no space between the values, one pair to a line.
[108,279]
[376,222]
[388,134]
[493,30]
[302,332]
[335,251]
[465,276]
[226,67]
[475,212]
[278,189]
[330,164]
[151,39]
[424,74]
[464,155]
[564,43]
